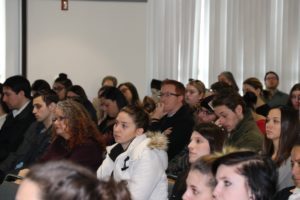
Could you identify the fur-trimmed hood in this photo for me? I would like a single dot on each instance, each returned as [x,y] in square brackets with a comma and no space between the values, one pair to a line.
[157,140]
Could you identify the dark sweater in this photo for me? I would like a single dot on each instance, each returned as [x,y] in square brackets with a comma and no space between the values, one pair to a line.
[13,130]
[182,124]
[88,154]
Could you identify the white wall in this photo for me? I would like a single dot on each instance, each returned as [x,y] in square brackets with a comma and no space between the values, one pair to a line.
[89,41]
[13,39]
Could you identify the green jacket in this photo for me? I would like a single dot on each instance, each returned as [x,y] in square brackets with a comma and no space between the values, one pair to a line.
[246,134]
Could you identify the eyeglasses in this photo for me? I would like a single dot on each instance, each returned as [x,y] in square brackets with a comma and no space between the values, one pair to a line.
[59,118]
[168,94]
[271,78]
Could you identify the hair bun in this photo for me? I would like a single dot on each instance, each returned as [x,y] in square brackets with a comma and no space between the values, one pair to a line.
[63,76]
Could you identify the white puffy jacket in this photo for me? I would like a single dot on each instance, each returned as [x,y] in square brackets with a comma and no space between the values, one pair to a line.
[142,165]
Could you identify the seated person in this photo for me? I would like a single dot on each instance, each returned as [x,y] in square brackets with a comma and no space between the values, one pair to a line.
[68,181]
[244,175]
[172,117]
[17,96]
[77,93]
[37,137]
[293,192]
[207,138]
[200,180]
[76,137]
[137,157]
[112,101]
[237,121]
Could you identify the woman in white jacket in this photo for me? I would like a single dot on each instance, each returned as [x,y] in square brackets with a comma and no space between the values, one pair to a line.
[137,157]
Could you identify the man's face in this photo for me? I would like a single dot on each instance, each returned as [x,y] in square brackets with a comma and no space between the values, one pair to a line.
[228,118]
[171,100]
[271,81]
[295,160]
[12,99]
[40,110]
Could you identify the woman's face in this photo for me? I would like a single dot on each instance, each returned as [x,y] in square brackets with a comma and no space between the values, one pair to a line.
[60,124]
[198,147]
[125,129]
[28,190]
[230,184]
[110,107]
[192,95]
[273,124]
[197,186]
[295,99]
[60,90]
[126,92]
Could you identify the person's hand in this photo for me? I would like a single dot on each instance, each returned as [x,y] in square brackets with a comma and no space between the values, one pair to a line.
[22,173]
[158,113]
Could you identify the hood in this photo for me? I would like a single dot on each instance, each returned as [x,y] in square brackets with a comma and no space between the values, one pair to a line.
[157,140]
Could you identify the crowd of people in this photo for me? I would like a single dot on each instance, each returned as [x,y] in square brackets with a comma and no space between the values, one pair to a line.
[190,142]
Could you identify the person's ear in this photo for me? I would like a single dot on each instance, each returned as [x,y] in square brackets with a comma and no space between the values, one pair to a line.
[21,93]
[139,131]
[52,106]
[238,110]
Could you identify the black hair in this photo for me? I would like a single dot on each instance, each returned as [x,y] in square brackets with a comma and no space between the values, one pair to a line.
[48,96]
[135,95]
[259,172]
[18,83]
[114,94]
[40,84]
[2,103]
[230,100]
[77,89]
[64,80]
[250,100]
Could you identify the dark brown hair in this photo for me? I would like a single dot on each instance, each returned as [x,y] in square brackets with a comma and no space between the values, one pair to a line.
[69,181]
[288,135]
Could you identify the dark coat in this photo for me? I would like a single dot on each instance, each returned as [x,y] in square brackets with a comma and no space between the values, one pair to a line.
[246,134]
[182,124]
[13,130]
[88,154]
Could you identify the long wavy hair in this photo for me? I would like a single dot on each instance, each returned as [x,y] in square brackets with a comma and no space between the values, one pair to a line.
[79,123]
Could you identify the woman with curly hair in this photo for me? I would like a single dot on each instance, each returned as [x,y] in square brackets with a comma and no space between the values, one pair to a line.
[75,136]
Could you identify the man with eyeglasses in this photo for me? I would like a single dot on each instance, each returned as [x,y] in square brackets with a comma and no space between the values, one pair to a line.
[276,97]
[172,117]
[36,138]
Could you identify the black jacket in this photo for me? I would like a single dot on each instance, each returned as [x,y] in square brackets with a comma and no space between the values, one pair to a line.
[13,130]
